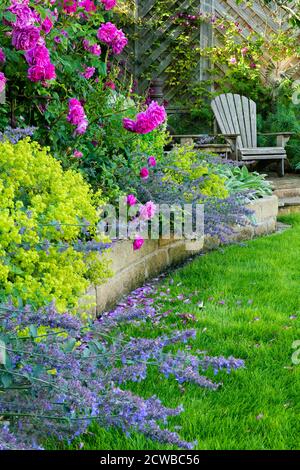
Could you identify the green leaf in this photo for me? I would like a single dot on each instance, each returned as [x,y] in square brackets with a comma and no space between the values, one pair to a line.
[33,331]
[6,380]
[69,346]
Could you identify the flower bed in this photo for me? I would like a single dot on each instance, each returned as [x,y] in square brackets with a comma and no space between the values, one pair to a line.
[133,268]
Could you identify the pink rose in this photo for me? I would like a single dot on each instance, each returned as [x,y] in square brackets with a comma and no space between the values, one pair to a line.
[70,6]
[109,4]
[95,49]
[131,200]
[88,5]
[25,38]
[76,112]
[112,36]
[25,16]
[2,56]
[138,242]
[151,161]
[38,55]
[232,60]
[2,82]
[89,72]
[144,173]
[146,121]
[77,154]
[147,211]
[129,124]
[119,42]
[86,44]
[110,84]
[244,50]
[107,32]
[47,25]
[50,72]
[82,127]
[37,73]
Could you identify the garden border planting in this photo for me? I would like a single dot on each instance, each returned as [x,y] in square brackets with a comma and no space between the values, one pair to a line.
[132,268]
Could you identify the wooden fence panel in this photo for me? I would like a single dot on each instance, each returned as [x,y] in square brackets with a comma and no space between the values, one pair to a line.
[152,51]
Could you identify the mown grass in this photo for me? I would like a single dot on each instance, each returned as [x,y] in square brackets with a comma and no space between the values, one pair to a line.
[251,310]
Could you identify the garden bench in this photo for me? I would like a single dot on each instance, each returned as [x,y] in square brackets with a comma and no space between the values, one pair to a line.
[236,118]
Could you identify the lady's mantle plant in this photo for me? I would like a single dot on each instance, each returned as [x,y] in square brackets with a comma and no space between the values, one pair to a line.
[48,242]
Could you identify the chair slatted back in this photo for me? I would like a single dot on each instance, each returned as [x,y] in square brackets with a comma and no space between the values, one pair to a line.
[236,114]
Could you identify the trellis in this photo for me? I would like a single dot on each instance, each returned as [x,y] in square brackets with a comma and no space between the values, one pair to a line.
[152,49]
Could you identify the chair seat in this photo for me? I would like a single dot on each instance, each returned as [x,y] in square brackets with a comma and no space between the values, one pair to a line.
[262,153]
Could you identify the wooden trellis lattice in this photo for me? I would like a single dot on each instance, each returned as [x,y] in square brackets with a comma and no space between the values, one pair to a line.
[152,48]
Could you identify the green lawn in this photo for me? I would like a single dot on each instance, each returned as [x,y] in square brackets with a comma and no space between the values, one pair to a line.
[251,298]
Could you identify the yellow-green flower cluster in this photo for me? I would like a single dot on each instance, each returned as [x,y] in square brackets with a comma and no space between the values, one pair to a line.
[42,208]
[185,161]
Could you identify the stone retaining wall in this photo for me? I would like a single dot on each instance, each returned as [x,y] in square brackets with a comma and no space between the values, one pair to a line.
[133,268]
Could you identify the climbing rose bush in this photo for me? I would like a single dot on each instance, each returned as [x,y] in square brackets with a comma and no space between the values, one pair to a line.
[44,45]
[146,121]
[48,240]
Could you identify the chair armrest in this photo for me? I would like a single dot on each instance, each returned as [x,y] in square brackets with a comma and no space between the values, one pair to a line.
[232,136]
[277,133]
[282,137]
[197,136]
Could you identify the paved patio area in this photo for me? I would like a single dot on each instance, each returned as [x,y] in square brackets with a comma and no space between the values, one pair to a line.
[288,191]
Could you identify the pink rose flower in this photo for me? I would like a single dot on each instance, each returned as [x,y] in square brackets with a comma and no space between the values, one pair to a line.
[131,200]
[25,38]
[50,72]
[2,56]
[147,211]
[70,6]
[151,161]
[232,60]
[47,25]
[82,127]
[110,84]
[119,42]
[86,44]
[146,121]
[95,49]
[76,112]
[112,36]
[144,173]
[88,5]
[129,124]
[77,154]
[89,72]
[38,55]
[138,242]
[25,16]
[107,32]
[38,73]
[109,4]
[2,82]
[244,50]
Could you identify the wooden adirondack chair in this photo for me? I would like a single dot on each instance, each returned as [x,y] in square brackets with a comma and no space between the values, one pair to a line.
[236,118]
